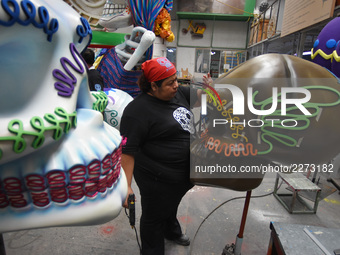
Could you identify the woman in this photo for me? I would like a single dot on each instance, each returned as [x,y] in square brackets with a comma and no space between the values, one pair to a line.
[157,126]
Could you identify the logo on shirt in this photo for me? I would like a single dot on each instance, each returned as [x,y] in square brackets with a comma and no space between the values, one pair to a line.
[97,87]
[185,118]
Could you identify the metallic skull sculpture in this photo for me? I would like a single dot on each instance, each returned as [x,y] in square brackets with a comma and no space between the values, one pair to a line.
[278,114]
[59,162]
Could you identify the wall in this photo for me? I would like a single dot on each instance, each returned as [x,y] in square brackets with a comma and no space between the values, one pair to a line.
[230,35]
[186,59]
[218,34]
[159,48]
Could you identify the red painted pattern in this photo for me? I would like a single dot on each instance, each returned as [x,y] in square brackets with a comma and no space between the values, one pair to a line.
[59,186]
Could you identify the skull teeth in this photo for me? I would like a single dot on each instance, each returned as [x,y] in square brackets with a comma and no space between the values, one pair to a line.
[112,9]
[80,169]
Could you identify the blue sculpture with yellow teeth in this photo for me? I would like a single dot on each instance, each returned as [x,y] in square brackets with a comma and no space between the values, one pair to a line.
[326,48]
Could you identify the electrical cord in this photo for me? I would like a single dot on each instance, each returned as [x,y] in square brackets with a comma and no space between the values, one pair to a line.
[220,205]
[133,227]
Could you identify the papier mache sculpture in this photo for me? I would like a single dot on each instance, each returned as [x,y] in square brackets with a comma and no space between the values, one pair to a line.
[59,161]
[326,48]
[117,101]
[116,14]
[278,114]
[117,66]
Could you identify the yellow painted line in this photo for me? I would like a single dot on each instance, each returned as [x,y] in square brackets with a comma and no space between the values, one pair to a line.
[333,201]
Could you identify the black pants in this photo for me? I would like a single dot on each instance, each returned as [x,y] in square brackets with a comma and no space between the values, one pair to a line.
[159,202]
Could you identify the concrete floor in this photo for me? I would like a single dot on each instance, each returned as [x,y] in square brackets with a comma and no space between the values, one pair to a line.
[209,233]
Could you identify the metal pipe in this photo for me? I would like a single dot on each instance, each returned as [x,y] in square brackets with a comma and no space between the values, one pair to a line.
[239,239]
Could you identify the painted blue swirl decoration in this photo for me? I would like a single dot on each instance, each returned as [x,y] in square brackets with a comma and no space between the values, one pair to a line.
[84,30]
[12,8]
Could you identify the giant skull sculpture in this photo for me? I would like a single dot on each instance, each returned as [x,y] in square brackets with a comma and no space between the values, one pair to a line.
[59,162]
[89,9]
[117,101]
[326,48]
[267,122]
[116,14]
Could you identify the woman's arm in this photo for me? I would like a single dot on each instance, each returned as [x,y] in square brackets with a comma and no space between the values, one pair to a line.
[128,164]
[207,80]
[199,98]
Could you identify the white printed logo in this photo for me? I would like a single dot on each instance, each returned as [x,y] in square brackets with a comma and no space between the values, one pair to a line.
[185,118]
[165,62]
[97,87]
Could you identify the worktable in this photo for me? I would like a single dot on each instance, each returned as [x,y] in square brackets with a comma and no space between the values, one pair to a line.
[292,239]
[297,184]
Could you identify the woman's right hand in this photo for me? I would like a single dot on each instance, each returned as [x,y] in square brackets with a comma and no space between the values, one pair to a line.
[207,80]
[130,191]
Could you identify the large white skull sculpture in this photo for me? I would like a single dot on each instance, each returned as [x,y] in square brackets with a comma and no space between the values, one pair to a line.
[59,162]
[116,14]
[117,101]
[90,9]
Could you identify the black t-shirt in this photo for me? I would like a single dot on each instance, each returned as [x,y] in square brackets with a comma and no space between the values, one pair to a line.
[96,82]
[158,135]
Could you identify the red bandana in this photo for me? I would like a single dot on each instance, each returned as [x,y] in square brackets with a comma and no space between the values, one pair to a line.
[157,69]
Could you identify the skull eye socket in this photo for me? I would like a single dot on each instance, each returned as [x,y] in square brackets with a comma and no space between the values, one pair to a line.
[182,121]
[27,57]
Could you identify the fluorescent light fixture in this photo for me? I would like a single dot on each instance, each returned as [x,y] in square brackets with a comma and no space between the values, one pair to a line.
[305,53]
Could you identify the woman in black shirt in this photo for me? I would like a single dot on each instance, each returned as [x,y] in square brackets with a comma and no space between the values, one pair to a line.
[157,126]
